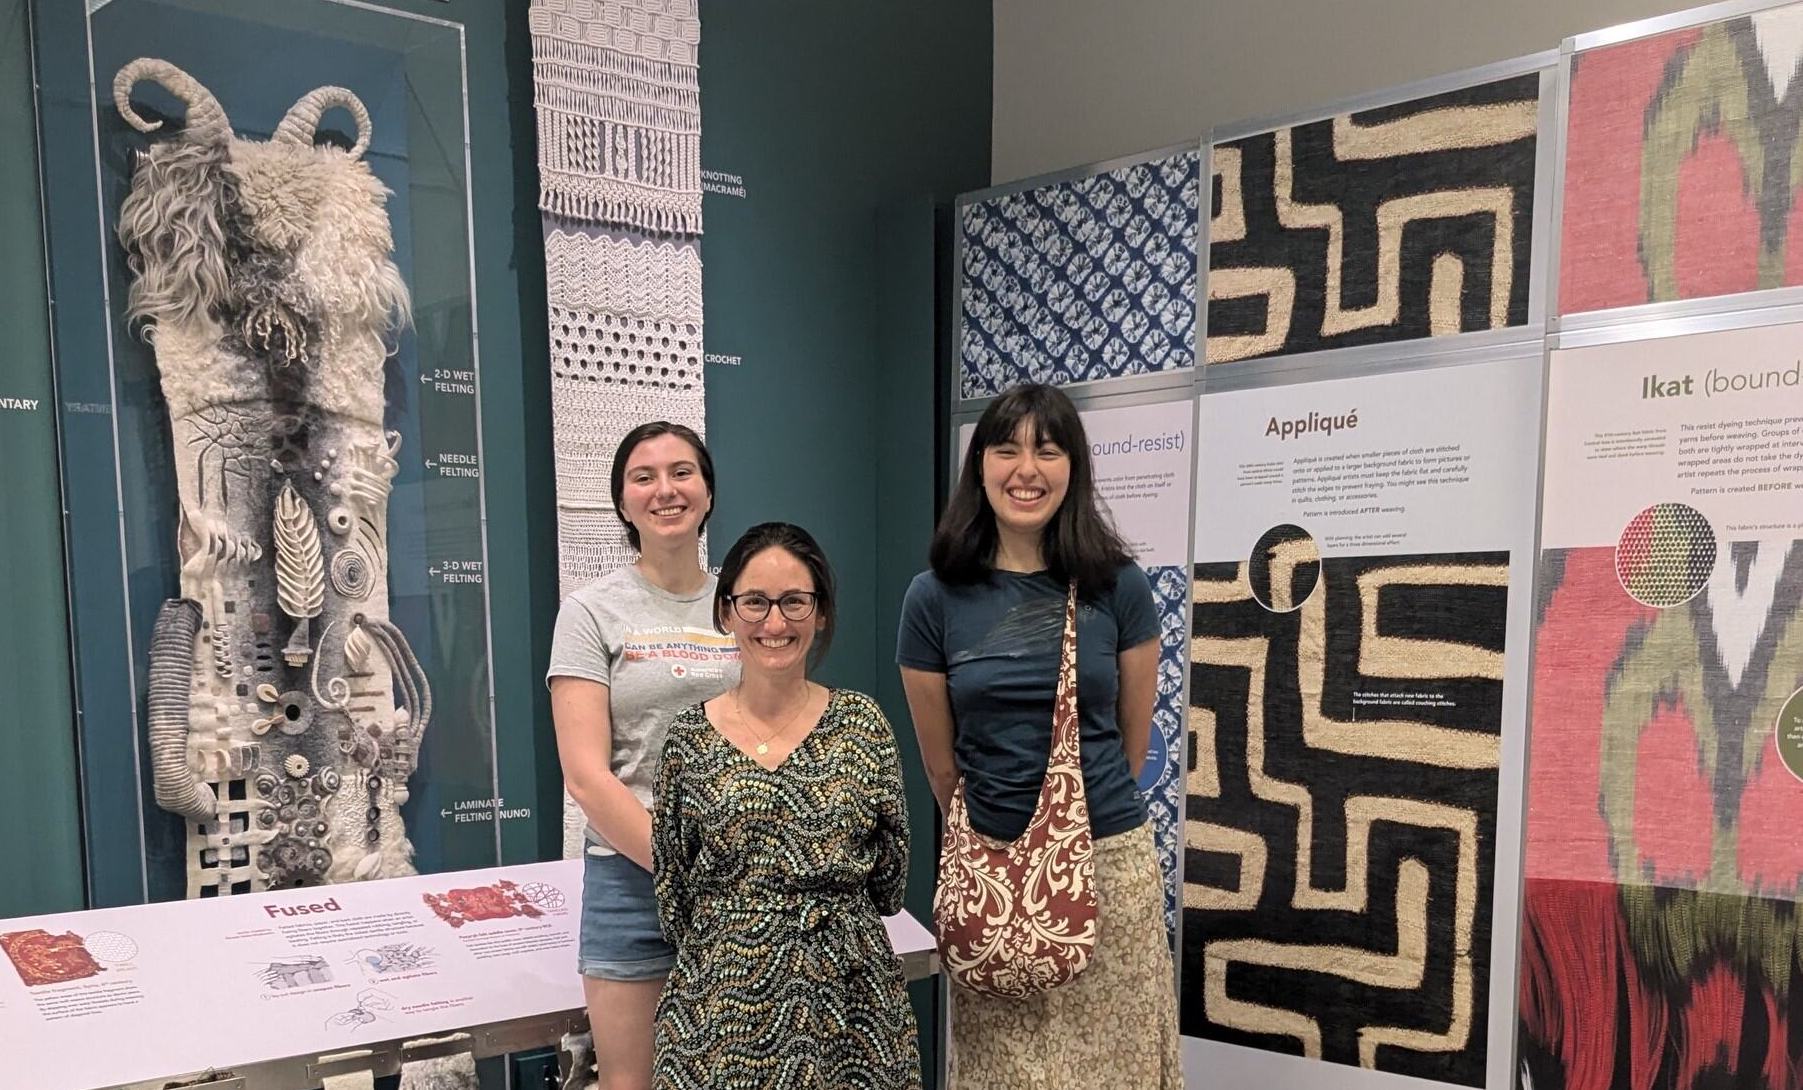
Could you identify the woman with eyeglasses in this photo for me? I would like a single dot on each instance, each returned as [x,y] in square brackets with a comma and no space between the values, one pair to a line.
[979,646]
[780,841]
[632,649]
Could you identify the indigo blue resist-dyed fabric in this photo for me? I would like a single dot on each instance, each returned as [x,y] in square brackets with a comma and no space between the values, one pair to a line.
[1088,279]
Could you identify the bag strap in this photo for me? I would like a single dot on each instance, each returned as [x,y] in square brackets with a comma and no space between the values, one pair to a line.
[1065,747]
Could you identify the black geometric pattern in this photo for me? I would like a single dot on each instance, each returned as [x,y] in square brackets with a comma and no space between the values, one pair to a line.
[1341,813]
[1408,221]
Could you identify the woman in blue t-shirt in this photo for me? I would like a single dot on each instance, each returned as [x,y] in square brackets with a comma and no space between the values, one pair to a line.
[978,649]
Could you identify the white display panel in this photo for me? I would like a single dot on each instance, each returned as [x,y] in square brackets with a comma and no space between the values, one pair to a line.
[239,980]
[1667,763]
[1357,711]
[1713,421]
[1421,462]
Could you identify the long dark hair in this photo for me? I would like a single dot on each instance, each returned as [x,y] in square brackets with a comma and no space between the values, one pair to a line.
[1079,542]
[623,453]
[801,545]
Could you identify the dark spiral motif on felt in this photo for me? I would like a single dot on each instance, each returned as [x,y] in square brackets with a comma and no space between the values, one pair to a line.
[1402,222]
[1341,813]
[1077,281]
[1665,555]
[352,574]
[772,885]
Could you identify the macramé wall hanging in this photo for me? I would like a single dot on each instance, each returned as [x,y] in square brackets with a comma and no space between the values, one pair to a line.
[616,84]
[286,711]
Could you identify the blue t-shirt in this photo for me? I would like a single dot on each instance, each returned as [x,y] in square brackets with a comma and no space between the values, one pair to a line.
[996,642]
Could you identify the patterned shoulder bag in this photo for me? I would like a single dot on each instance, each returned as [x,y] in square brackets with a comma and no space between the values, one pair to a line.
[1019,919]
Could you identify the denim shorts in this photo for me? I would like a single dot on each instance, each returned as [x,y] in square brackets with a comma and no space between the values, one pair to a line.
[620,939]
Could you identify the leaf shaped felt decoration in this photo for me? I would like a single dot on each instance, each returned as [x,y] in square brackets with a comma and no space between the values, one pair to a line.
[300,572]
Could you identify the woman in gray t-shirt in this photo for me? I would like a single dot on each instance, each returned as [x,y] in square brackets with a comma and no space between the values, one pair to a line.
[632,649]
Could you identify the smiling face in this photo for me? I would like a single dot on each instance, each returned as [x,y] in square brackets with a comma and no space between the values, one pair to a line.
[664,495]
[774,644]
[1025,478]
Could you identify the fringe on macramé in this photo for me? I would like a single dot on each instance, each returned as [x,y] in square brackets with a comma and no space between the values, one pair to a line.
[619,213]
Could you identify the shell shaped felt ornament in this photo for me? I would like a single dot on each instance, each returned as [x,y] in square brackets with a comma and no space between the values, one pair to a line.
[357,651]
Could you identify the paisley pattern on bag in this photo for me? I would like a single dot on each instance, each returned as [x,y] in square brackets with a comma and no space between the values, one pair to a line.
[1017,919]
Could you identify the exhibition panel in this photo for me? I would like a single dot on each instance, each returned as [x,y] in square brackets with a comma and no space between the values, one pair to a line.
[1410,214]
[1084,276]
[1357,699]
[360,974]
[288,369]
[1662,867]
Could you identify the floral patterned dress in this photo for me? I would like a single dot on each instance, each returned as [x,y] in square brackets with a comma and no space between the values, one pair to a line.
[772,884]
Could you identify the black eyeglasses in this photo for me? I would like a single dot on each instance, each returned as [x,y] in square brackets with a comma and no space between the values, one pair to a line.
[754,606]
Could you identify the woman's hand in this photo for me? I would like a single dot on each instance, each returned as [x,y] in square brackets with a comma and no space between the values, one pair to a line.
[1139,695]
[930,706]
[579,710]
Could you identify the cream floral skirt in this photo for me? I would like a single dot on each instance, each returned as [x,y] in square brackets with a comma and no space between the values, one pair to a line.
[1114,1026]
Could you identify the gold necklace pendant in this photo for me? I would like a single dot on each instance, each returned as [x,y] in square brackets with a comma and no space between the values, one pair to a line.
[763,748]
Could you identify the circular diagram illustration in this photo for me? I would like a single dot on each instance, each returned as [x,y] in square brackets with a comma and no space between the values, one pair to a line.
[1665,555]
[110,947]
[542,894]
[1285,568]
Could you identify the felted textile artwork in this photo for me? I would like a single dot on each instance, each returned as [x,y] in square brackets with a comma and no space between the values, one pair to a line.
[1341,813]
[1682,165]
[43,958]
[454,1072]
[1077,281]
[1661,943]
[500,901]
[617,88]
[286,711]
[1161,780]
[625,319]
[1407,221]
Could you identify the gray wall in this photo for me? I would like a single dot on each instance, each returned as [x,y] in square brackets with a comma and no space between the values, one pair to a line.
[1080,80]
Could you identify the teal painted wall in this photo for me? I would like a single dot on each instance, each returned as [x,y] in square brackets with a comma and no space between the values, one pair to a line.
[43,860]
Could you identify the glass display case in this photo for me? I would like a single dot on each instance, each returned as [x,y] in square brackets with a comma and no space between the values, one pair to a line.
[271,411]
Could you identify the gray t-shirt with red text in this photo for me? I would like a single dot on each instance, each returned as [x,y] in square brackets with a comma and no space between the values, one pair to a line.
[656,652]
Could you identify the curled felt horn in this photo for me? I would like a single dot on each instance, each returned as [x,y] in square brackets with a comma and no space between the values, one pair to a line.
[206,118]
[302,120]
